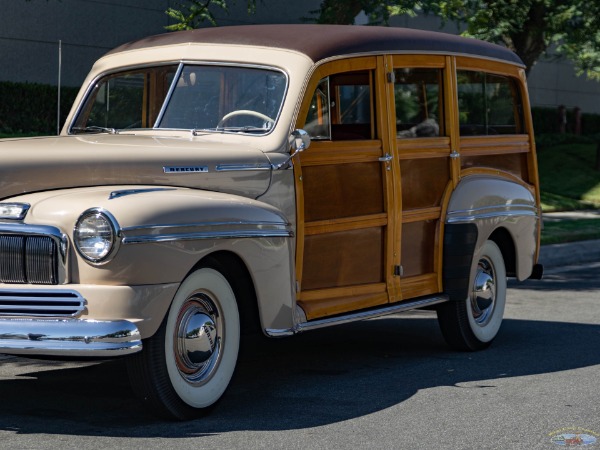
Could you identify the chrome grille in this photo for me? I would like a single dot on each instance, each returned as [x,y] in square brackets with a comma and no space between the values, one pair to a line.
[41,303]
[28,259]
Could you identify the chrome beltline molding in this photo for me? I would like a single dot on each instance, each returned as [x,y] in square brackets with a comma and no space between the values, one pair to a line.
[214,230]
[243,167]
[69,337]
[353,317]
[488,212]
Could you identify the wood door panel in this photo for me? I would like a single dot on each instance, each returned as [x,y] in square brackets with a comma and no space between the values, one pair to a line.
[344,258]
[424,182]
[336,191]
[418,247]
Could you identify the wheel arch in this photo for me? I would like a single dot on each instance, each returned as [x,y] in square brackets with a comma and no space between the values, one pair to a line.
[233,267]
[505,242]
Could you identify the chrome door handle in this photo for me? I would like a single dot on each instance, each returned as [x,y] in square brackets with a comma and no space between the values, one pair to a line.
[386,158]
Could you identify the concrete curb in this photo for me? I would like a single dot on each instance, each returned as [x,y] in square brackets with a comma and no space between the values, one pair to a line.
[570,253]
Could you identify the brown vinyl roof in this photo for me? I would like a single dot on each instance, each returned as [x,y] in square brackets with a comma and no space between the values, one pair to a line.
[323,41]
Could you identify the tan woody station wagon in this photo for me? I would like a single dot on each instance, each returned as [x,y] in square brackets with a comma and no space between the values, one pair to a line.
[276,178]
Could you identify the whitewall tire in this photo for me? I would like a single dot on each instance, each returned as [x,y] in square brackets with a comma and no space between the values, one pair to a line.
[187,365]
[473,323]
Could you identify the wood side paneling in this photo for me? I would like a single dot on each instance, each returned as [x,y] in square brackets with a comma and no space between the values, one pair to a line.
[418,247]
[342,190]
[424,182]
[332,305]
[343,259]
[514,163]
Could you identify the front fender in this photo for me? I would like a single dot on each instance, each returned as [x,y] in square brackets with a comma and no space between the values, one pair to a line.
[163,231]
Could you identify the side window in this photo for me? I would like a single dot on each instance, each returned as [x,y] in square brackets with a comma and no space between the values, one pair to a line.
[318,124]
[342,108]
[419,102]
[488,104]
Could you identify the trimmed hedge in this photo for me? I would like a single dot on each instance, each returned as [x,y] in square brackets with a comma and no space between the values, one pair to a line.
[30,108]
[545,121]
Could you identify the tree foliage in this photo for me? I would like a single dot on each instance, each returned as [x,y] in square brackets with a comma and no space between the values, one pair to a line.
[530,27]
[378,11]
[571,28]
[194,13]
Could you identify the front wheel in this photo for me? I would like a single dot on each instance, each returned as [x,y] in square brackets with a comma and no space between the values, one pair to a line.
[473,323]
[186,366]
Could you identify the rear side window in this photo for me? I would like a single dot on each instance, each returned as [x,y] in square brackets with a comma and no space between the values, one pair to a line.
[488,104]
[419,102]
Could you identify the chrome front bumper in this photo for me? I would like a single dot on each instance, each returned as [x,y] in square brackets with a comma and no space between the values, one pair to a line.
[68,337]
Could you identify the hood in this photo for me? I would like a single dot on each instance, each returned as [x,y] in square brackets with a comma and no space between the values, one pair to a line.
[42,164]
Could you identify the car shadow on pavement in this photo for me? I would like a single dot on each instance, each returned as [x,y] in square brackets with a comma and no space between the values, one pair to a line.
[316,379]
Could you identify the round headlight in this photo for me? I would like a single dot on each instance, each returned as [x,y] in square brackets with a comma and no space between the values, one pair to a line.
[95,235]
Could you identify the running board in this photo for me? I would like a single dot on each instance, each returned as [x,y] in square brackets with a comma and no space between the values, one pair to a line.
[356,316]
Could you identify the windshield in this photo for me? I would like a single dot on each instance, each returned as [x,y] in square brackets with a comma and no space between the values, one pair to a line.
[211,98]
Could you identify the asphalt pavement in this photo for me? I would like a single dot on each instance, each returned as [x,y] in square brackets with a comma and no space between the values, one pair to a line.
[571,253]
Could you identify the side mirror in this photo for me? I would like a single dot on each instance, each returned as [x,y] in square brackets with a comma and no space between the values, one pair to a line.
[299,141]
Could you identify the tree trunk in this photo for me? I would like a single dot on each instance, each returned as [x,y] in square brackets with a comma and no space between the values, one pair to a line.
[334,11]
[529,42]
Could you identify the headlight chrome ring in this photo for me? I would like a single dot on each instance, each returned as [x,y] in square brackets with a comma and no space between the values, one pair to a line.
[96,235]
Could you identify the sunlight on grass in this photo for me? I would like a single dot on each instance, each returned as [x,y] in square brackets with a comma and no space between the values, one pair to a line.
[568,179]
[570,231]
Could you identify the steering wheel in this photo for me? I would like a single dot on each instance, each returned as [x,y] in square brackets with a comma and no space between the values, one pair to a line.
[244,112]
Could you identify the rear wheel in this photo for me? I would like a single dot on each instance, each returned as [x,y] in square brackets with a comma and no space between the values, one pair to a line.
[473,323]
[185,368]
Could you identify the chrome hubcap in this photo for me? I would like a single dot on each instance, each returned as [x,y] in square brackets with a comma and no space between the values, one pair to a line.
[198,339]
[483,295]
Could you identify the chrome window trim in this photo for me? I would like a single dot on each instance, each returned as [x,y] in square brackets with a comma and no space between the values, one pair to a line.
[488,212]
[418,52]
[167,99]
[61,240]
[209,230]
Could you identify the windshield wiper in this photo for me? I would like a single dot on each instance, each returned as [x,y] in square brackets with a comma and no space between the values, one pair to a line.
[245,129]
[95,129]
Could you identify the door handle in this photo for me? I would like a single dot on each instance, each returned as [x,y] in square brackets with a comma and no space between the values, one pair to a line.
[386,158]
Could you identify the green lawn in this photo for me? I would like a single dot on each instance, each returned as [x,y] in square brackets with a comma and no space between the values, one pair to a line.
[570,231]
[569,181]
[568,178]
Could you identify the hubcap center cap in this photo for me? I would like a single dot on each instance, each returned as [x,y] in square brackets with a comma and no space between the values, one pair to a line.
[199,338]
